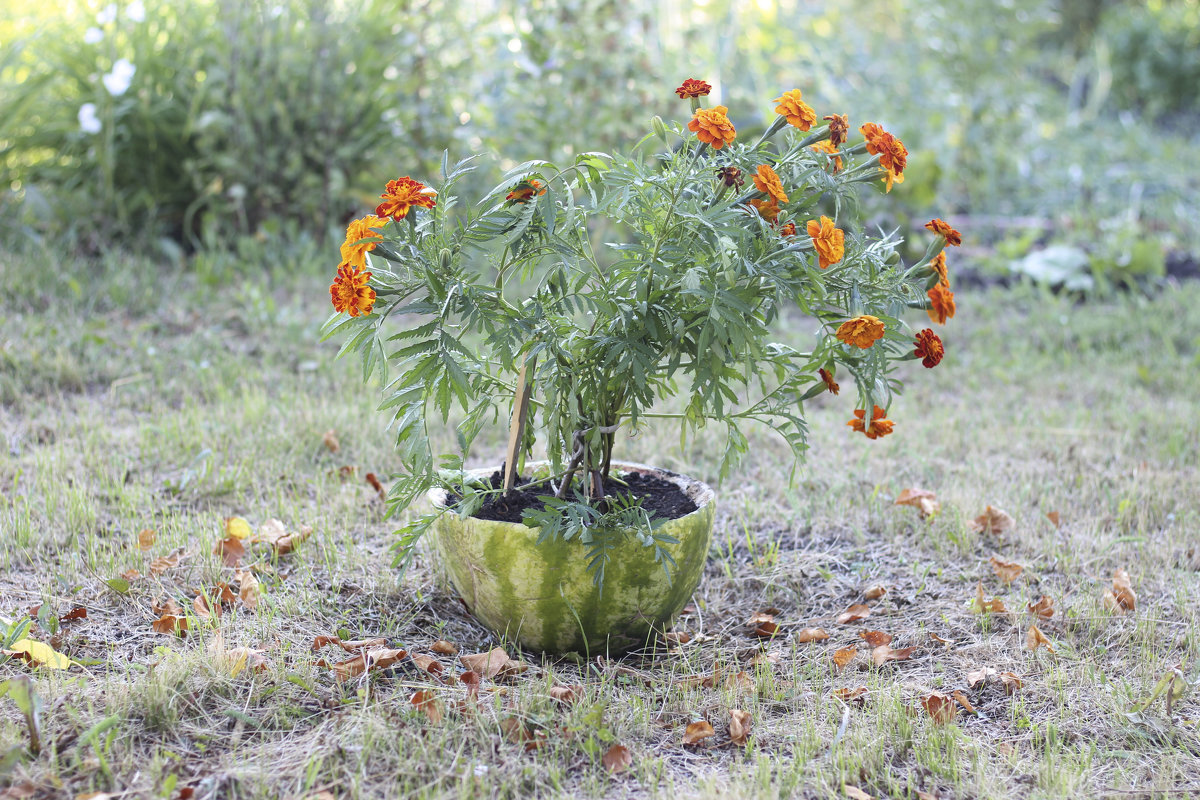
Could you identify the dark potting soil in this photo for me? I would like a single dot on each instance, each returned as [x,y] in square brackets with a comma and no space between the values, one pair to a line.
[659,497]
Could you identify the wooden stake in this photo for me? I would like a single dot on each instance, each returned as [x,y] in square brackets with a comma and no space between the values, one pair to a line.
[516,430]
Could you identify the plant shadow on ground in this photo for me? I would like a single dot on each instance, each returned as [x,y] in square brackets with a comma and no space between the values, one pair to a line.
[153,402]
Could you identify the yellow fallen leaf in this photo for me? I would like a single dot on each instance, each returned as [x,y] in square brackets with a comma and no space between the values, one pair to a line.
[38,654]
[1035,639]
[146,539]
[844,656]
[249,592]
[237,528]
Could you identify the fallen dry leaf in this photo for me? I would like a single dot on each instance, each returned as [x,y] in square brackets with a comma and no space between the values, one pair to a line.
[470,679]
[947,643]
[855,793]
[331,441]
[764,657]
[883,654]
[365,661]
[376,485]
[993,521]
[941,709]
[812,635]
[1122,591]
[875,638]
[1007,571]
[427,663]
[202,609]
[517,732]
[617,758]
[979,677]
[677,637]
[236,528]
[146,539]
[492,664]
[79,612]
[427,703]
[235,660]
[1035,639]
[697,732]
[444,648]
[925,502]
[231,550]
[163,563]
[964,702]
[1054,518]
[567,695]
[38,654]
[763,624]
[926,795]
[275,533]
[170,623]
[844,656]
[1011,682]
[1043,608]
[875,592]
[854,613]
[739,726]
[995,605]
[349,647]
[131,575]
[249,590]
[169,607]
[857,695]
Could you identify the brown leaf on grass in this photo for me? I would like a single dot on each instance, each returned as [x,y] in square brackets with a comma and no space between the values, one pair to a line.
[993,521]
[365,661]
[947,643]
[567,695]
[766,630]
[170,623]
[925,502]
[926,795]
[492,664]
[617,759]
[697,732]
[764,657]
[854,613]
[677,637]
[131,575]
[1007,571]
[1035,639]
[146,539]
[979,677]
[79,612]
[202,609]
[857,695]
[875,638]
[346,472]
[1054,518]
[882,655]
[517,732]
[275,533]
[855,793]
[377,485]
[235,660]
[739,726]
[231,550]
[427,663]
[995,605]
[427,703]
[964,702]
[168,607]
[331,441]
[470,679]
[349,647]
[1043,608]
[844,656]
[875,592]
[941,709]
[812,635]
[444,648]
[249,590]
[763,623]
[163,563]
[1122,591]
[1011,682]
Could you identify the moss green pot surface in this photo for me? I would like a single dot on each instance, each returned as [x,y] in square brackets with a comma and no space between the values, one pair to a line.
[543,597]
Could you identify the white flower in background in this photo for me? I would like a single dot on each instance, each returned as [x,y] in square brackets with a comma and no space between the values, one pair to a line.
[93,35]
[136,11]
[107,15]
[117,81]
[88,120]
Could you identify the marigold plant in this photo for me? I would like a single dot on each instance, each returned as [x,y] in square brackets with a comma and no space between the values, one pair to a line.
[468,305]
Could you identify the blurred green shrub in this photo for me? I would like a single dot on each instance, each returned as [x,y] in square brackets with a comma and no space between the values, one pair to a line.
[1155,55]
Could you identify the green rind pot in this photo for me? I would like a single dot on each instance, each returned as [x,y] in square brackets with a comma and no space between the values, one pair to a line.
[543,597]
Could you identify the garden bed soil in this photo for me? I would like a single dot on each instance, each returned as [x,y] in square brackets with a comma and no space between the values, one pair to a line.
[660,497]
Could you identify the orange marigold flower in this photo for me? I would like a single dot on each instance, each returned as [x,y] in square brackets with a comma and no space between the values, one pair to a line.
[941,228]
[938,265]
[767,182]
[732,176]
[879,426]
[829,148]
[830,384]
[355,249]
[830,242]
[525,190]
[693,88]
[767,209]
[930,348]
[712,126]
[862,331]
[893,155]
[839,126]
[403,194]
[942,300]
[350,292]
[798,113]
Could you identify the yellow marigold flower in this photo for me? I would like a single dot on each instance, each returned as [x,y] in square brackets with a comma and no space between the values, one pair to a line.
[798,113]
[862,331]
[355,249]
[942,304]
[829,241]
[525,190]
[712,126]
[693,87]
[879,426]
[767,182]
[403,194]
[350,292]
[767,209]
[829,148]
[890,177]
[938,265]
[953,237]
[830,383]
[839,126]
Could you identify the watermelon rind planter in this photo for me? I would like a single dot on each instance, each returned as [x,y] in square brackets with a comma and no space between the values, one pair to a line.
[544,598]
